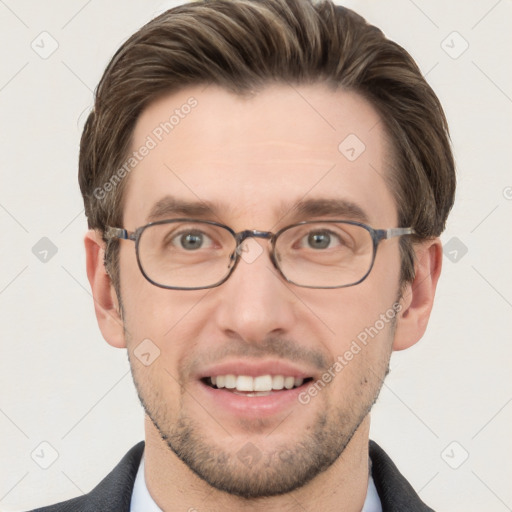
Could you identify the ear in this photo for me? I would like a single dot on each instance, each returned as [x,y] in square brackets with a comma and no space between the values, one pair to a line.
[106,304]
[418,296]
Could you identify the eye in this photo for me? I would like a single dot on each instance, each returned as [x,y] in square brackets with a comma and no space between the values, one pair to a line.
[320,240]
[191,240]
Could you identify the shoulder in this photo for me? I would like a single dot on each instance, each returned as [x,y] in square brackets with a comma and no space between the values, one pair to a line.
[395,492]
[113,493]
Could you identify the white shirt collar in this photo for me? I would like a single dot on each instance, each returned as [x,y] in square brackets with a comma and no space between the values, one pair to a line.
[143,502]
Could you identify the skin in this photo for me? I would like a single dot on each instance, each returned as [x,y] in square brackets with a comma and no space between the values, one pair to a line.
[251,156]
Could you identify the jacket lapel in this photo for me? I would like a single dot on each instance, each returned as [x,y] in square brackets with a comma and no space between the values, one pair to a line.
[395,492]
[114,492]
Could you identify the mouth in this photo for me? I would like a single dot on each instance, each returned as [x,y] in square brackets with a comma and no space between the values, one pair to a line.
[253,388]
[260,385]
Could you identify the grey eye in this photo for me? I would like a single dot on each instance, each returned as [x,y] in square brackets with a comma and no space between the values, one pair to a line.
[319,240]
[191,241]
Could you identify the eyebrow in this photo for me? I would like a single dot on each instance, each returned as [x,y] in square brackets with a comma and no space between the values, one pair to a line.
[324,207]
[171,207]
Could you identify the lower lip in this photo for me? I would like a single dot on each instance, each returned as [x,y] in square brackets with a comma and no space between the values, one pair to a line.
[252,406]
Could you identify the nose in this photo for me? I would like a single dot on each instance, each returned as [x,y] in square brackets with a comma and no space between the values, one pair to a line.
[255,302]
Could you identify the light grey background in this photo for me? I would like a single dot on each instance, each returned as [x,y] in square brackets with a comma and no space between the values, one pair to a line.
[448,397]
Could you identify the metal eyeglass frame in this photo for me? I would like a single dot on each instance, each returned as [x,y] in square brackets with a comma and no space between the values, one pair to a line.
[377,236]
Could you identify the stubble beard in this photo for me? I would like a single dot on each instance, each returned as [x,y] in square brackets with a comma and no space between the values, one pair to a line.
[250,471]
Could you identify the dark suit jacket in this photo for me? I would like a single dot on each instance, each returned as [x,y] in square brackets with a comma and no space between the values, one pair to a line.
[114,492]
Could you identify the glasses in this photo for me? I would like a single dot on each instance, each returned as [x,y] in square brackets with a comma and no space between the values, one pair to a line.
[188,254]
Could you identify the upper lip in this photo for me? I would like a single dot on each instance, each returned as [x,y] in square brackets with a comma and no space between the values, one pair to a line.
[255,368]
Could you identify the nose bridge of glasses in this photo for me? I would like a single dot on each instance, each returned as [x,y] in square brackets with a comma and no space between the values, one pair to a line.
[252,233]
[242,236]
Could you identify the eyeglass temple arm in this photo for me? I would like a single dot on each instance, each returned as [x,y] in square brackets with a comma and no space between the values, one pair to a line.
[393,232]
[121,233]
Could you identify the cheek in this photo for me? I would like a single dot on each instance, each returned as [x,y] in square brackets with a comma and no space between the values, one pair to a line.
[360,363]
[158,321]
[150,311]
[357,322]
[350,314]
[158,388]
[157,343]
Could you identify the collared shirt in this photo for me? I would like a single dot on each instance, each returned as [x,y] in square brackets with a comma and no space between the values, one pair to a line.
[143,502]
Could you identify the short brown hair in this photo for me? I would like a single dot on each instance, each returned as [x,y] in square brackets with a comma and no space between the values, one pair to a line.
[242,46]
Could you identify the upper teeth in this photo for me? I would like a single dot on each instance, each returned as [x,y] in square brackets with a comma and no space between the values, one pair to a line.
[260,383]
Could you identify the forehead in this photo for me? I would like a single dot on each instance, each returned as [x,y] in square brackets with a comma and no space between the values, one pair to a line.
[254,158]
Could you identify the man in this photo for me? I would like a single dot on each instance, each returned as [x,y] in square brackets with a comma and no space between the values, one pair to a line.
[265,184]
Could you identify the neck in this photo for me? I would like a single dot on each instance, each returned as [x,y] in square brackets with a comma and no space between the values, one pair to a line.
[175,487]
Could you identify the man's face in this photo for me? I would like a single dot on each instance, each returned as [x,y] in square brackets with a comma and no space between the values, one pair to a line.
[255,159]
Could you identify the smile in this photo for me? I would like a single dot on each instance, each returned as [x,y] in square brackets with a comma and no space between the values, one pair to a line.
[259,384]
[253,388]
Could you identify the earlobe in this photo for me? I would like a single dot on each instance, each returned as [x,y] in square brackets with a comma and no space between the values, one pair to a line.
[418,296]
[106,304]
